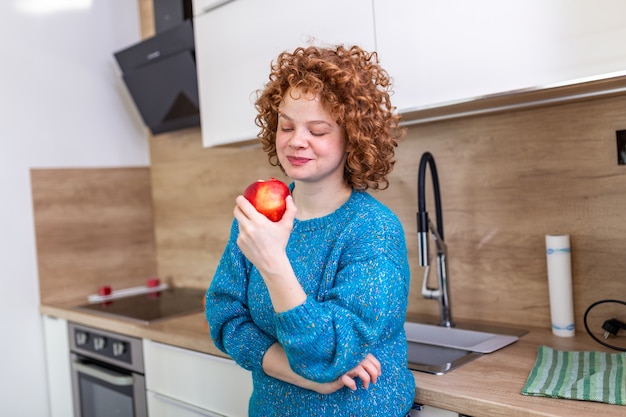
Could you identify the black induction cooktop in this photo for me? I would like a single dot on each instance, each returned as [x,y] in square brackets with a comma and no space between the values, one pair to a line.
[146,308]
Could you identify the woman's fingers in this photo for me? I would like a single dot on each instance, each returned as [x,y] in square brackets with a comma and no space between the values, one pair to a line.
[348,381]
[372,366]
[367,371]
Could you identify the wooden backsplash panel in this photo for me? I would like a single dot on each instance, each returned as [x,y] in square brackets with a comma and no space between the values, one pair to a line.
[93,227]
[509,179]
[506,179]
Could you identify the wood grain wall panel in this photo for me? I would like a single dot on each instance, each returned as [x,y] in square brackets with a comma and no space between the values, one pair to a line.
[146,18]
[93,227]
[507,180]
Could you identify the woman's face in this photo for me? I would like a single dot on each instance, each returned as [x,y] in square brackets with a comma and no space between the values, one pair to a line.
[310,145]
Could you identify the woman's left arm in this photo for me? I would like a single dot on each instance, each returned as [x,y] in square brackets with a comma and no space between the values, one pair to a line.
[276,365]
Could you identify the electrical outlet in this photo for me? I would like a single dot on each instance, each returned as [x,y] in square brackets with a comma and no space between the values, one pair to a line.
[620,136]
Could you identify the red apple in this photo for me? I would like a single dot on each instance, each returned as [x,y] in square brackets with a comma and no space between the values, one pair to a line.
[268,197]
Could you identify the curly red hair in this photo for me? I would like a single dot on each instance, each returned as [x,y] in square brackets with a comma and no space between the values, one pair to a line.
[355,90]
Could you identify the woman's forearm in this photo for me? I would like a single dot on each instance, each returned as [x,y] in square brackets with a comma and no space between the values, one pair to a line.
[285,290]
[276,365]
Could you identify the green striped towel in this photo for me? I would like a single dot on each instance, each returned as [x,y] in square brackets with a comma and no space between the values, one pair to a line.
[590,376]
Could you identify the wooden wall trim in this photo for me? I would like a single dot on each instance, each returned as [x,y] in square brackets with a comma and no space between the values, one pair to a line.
[146,18]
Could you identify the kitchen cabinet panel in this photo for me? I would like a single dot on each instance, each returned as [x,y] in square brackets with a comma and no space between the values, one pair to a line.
[58,366]
[236,43]
[161,406]
[445,51]
[202,6]
[204,382]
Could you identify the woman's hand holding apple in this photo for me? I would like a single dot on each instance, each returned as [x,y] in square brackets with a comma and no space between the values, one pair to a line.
[264,243]
[259,239]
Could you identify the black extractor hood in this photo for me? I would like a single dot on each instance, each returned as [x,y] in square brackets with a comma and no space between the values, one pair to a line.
[160,74]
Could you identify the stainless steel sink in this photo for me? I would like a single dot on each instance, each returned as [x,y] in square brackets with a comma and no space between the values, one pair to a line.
[437,350]
[453,337]
[437,360]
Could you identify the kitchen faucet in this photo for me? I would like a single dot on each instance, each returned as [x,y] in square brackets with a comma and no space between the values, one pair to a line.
[440,293]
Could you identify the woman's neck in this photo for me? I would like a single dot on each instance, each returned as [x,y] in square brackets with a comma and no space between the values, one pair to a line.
[314,200]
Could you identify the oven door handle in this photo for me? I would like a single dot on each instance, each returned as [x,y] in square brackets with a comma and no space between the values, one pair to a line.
[113,379]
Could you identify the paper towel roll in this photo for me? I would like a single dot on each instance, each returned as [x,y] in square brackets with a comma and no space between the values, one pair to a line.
[559,260]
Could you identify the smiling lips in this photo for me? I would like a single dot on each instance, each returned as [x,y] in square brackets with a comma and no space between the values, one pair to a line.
[297,160]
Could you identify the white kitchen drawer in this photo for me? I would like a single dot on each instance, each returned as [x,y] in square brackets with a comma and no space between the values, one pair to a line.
[205,381]
[161,406]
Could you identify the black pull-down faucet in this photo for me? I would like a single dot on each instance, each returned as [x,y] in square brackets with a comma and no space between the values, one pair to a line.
[442,292]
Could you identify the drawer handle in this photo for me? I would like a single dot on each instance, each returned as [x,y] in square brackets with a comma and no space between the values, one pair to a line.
[213,5]
[184,406]
[119,380]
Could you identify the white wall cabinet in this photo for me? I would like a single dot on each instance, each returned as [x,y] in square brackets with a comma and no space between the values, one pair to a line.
[437,52]
[449,50]
[182,382]
[202,6]
[58,366]
[236,42]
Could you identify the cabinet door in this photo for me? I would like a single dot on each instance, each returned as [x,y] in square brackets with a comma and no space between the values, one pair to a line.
[161,406]
[58,366]
[443,51]
[236,43]
[203,381]
[202,6]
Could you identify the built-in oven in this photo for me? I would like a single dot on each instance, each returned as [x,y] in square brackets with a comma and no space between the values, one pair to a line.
[107,373]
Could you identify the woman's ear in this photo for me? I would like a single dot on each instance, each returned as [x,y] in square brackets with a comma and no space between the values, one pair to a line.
[349,146]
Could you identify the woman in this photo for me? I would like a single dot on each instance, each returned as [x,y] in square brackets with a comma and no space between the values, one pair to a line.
[314,304]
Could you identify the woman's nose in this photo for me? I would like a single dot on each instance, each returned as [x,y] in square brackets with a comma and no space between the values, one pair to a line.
[299,138]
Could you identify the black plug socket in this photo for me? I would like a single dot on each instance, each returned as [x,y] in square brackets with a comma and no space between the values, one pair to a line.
[612,326]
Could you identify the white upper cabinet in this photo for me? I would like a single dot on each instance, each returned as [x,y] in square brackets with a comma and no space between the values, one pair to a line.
[203,6]
[237,41]
[437,52]
[449,50]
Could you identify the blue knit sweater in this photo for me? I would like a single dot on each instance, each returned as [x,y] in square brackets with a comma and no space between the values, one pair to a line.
[353,267]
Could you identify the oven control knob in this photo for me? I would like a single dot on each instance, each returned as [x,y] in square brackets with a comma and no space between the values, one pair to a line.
[99,343]
[119,348]
[81,338]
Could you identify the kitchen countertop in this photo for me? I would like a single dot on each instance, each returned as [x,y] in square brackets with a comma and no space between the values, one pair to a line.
[486,387]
